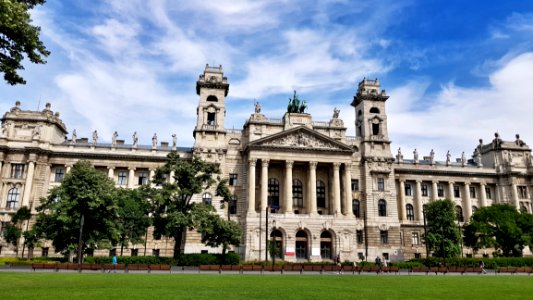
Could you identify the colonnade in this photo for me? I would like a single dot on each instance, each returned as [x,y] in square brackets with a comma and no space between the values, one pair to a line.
[310,203]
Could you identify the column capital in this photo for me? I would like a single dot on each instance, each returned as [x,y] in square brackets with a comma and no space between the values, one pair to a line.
[265,162]
[435,181]
[313,164]
[252,162]
[289,163]
[483,183]
[418,181]
[110,167]
[467,183]
[132,168]
[348,164]
[336,165]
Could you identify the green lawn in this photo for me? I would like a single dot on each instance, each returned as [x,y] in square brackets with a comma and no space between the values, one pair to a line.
[224,287]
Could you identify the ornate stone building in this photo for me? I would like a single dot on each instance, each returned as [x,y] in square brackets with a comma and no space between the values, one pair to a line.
[300,183]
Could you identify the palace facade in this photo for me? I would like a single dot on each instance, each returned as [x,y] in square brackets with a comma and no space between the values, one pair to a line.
[303,184]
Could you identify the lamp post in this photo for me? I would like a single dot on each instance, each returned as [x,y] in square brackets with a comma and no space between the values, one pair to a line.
[266,233]
[80,241]
[425,230]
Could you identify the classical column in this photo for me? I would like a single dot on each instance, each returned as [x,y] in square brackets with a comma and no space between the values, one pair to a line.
[401,193]
[335,207]
[514,194]
[111,173]
[467,201]
[311,198]
[418,201]
[347,190]
[450,191]
[264,183]
[28,184]
[434,190]
[483,195]
[151,177]
[67,168]
[131,176]
[251,185]
[288,187]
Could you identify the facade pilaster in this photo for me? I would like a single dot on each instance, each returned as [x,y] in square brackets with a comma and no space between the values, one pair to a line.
[450,191]
[264,183]
[434,190]
[131,176]
[288,187]
[347,191]
[336,189]
[483,195]
[514,194]
[311,199]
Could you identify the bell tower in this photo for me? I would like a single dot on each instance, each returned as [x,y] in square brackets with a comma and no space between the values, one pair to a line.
[371,119]
[209,133]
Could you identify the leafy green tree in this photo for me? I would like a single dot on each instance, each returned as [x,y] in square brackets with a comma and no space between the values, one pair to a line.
[219,232]
[81,211]
[18,38]
[443,236]
[174,213]
[31,239]
[133,218]
[13,230]
[502,227]
[12,235]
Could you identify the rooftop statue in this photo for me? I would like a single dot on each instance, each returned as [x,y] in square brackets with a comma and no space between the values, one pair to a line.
[296,105]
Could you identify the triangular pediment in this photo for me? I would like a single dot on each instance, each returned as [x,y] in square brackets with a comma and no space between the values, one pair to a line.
[300,138]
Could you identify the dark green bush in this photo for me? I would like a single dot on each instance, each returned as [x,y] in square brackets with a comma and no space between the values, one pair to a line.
[194,259]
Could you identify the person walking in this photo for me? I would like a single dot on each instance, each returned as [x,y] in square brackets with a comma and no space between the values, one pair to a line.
[114,263]
[482,266]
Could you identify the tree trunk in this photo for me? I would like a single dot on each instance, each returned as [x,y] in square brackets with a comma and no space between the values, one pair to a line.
[121,249]
[179,241]
[223,260]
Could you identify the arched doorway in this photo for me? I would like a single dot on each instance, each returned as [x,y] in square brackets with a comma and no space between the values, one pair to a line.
[301,245]
[276,248]
[326,244]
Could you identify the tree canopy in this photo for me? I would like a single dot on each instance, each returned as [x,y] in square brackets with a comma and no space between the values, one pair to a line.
[18,38]
[174,213]
[502,227]
[443,236]
[85,196]
[133,216]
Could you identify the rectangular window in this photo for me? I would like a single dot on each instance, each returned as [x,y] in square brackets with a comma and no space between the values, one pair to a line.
[424,190]
[359,236]
[414,238]
[384,237]
[440,190]
[456,191]
[522,191]
[44,251]
[17,170]
[487,191]
[233,205]
[134,252]
[417,255]
[385,255]
[59,174]
[143,178]
[472,192]
[122,178]
[233,179]
[355,184]
[155,252]
[408,190]
[381,184]
[360,255]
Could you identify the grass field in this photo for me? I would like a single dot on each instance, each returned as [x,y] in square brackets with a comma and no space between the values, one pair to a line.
[18,285]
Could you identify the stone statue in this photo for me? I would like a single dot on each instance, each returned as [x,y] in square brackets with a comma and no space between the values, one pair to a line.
[399,156]
[497,141]
[463,159]
[415,155]
[36,132]
[114,139]
[257,107]
[336,112]
[518,141]
[135,139]
[448,158]
[175,137]
[95,137]
[154,140]
[74,137]
[432,156]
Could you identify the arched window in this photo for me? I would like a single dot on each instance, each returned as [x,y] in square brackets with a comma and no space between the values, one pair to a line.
[13,198]
[320,194]
[382,208]
[207,199]
[325,245]
[297,193]
[356,208]
[301,244]
[374,110]
[410,212]
[273,194]
[459,213]
[212,98]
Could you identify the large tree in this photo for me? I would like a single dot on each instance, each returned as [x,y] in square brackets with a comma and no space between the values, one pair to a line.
[18,38]
[502,227]
[13,230]
[443,236]
[174,212]
[218,232]
[83,208]
[133,219]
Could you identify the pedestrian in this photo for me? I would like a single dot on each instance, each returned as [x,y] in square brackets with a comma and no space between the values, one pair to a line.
[339,265]
[378,261]
[385,262]
[482,266]
[114,262]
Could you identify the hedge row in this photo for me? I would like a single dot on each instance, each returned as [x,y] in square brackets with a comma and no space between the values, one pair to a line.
[490,263]
[183,260]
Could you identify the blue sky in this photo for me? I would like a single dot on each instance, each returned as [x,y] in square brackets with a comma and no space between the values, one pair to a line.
[456,71]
